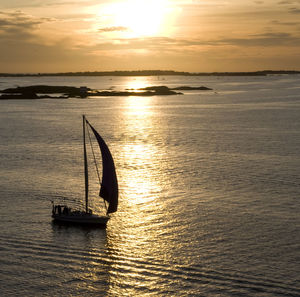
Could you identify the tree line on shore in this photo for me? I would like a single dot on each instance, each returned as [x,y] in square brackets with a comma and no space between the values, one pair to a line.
[153,73]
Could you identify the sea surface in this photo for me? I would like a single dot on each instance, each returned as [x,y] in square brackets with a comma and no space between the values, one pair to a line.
[209,189]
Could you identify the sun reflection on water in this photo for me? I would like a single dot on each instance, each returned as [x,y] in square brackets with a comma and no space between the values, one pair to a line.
[135,240]
[138,107]
[137,83]
[140,155]
[141,183]
[139,150]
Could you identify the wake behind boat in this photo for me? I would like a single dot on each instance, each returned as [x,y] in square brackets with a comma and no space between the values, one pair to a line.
[108,187]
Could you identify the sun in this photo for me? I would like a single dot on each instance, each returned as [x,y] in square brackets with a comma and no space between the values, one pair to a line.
[140,18]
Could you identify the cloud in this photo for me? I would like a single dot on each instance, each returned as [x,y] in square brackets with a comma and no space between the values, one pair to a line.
[264,40]
[147,44]
[285,2]
[23,43]
[43,3]
[288,2]
[167,44]
[277,22]
[294,10]
[113,29]
[17,24]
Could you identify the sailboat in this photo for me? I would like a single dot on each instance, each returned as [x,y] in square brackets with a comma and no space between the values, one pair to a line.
[108,186]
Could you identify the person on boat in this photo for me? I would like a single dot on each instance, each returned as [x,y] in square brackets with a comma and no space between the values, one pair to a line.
[54,209]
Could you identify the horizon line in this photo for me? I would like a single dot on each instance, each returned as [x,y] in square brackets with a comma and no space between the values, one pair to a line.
[148,73]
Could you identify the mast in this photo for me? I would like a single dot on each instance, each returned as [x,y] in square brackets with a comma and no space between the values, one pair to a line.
[86,173]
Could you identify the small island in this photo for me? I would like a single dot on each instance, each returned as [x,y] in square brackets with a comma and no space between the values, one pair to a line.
[64,92]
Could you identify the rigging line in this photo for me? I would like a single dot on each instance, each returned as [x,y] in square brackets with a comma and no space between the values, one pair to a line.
[95,161]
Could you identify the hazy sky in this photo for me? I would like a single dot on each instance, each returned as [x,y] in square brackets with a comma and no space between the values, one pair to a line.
[183,35]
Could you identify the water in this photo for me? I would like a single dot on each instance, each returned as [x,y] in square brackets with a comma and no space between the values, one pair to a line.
[209,188]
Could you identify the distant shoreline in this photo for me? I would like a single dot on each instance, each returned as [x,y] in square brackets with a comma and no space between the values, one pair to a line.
[152,73]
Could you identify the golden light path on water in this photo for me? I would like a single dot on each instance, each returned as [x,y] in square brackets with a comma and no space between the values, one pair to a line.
[139,150]
[133,104]
[132,241]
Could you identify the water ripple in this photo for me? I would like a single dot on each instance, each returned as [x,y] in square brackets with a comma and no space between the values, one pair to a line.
[137,275]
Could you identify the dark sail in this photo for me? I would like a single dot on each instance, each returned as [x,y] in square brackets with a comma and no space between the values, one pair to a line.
[109,184]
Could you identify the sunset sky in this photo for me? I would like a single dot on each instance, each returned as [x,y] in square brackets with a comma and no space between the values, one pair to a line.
[181,35]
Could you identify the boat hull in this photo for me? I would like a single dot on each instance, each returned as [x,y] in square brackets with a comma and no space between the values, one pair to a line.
[81,219]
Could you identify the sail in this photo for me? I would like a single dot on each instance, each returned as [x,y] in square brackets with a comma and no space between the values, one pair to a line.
[109,185]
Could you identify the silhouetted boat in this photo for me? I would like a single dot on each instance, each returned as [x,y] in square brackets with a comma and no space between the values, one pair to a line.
[108,187]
